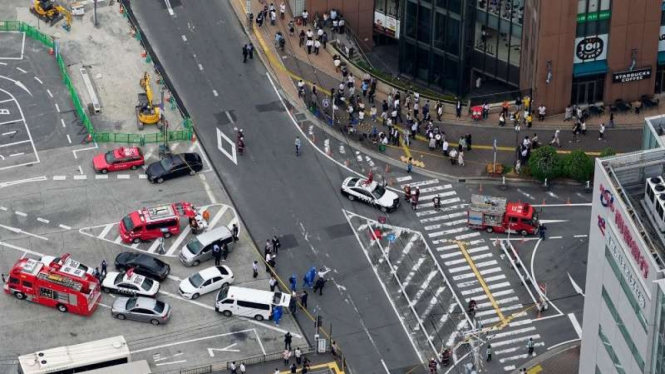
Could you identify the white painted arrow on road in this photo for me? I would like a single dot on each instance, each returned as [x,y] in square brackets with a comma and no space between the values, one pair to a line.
[232,156]
[211,351]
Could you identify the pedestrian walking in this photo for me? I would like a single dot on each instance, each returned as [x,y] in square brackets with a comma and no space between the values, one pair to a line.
[458,108]
[601,132]
[104,266]
[309,277]
[612,120]
[282,10]
[293,304]
[489,352]
[317,46]
[298,354]
[250,50]
[294,368]
[273,17]
[409,165]
[460,158]
[318,285]
[267,248]
[555,139]
[272,282]
[292,28]
[288,338]
[233,368]
[583,127]
[234,232]
[324,39]
[216,253]
[292,282]
[333,349]
[529,346]
[96,274]
[301,38]
[432,366]
[303,299]
[309,44]
[414,202]
[243,369]
[270,260]
[245,53]
[542,110]
[305,17]
[502,120]
[277,315]
[255,269]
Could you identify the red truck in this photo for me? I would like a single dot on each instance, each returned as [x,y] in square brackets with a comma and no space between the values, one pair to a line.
[496,214]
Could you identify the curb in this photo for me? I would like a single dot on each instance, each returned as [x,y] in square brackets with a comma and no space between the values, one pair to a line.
[549,354]
[522,182]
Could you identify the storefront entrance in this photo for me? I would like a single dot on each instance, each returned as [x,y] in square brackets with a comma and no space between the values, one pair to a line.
[660,79]
[588,90]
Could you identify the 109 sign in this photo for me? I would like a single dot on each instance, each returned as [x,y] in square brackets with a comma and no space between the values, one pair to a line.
[590,48]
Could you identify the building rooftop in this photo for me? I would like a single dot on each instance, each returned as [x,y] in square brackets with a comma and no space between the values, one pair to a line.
[628,174]
[656,126]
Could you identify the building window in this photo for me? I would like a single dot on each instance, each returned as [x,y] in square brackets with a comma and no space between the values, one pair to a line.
[439,31]
[623,330]
[437,70]
[610,351]
[453,36]
[408,58]
[423,64]
[455,6]
[451,75]
[626,289]
[411,20]
[424,25]
[659,346]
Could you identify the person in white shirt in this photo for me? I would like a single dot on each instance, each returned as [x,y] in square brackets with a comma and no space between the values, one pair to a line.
[282,10]
[319,32]
[445,148]
[541,112]
[305,16]
[317,46]
[601,132]
[310,35]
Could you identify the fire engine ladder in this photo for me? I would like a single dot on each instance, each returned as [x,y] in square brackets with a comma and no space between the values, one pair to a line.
[59,279]
[488,204]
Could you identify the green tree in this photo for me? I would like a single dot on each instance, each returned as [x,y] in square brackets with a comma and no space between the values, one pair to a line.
[607,152]
[578,165]
[545,163]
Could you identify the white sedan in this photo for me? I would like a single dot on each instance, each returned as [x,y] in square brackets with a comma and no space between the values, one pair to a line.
[129,283]
[205,281]
[370,192]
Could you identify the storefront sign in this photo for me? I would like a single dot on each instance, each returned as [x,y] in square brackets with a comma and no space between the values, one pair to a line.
[631,76]
[661,39]
[590,48]
[627,272]
[385,24]
[607,201]
[590,17]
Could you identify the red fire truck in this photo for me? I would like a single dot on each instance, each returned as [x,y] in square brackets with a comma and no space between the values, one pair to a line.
[59,282]
[495,214]
[155,222]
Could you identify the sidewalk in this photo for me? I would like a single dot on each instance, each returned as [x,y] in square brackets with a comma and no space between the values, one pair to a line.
[562,361]
[294,64]
[319,364]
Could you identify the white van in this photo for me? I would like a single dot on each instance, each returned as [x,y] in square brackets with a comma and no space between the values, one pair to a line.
[199,249]
[248,302]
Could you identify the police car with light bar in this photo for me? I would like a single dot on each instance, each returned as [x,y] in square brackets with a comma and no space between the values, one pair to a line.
[129,283]
[370,192]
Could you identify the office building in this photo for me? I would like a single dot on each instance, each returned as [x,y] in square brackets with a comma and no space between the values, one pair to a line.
[624,308]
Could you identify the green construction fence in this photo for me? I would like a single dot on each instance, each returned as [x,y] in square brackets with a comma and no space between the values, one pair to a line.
[101,136]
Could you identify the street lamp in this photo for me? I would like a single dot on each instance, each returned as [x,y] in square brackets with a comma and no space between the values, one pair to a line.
[517,147]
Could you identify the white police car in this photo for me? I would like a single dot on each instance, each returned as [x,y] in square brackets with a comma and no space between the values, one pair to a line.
[205,281]
[129,283]
[370,192]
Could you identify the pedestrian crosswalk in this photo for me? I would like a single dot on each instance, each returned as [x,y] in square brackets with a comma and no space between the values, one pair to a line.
[443,228]
[220,214]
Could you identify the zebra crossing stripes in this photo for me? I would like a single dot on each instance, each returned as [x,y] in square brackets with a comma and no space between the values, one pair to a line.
[436,188]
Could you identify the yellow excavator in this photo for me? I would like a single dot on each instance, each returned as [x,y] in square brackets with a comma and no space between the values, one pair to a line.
[51,12]
[148,113]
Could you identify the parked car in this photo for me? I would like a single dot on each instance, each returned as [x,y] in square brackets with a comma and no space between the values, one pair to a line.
[174,166]
[122,158]
[129,283]
[199,249]
[142,309]
[205,281]
[143,264]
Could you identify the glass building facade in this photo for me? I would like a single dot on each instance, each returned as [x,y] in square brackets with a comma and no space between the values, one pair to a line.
[443,41]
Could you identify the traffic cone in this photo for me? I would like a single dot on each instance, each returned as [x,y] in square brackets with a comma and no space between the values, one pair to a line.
[51,51]
[193,138]
[88,138]
[144,54]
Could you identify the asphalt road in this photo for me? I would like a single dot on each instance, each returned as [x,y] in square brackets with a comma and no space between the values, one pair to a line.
[275,192]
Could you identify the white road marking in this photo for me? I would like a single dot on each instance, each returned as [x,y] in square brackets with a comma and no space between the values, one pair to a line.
[176,244]
[123,176]
[184,38]
[118,240]
[106,230]
[170,363]
[84,149]
[580,236]
[19,231]
[19,213]
[420,184]
[39,80]
[69,139]
[552,220]
[63,122]
[43,220]
[17,154]
[143,176]
[222,137]
[59,177]
[80,170]
[555,237]
[57,107]
[576,324]
[200,67]
[153,246]
[404,179]
[21,70]
[101,176]
[80,177]
[173,344]
[65,227]
[9,133]
[3,208]
[49,93]
[214,92]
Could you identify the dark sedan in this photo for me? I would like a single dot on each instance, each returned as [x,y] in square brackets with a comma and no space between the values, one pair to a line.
[143,264]
[174,166]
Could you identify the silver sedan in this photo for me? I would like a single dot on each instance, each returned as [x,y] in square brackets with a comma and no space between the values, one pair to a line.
[142,309]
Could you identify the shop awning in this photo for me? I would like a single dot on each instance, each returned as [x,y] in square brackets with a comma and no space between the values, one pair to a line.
[590,68]
[661,55]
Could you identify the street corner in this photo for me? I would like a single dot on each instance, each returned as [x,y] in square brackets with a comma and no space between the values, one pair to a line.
[12,46]
[221,215]
[217,342]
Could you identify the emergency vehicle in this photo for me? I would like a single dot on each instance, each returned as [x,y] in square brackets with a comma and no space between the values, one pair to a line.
[122,158]
[61,283]
[496,214]
[155,222]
